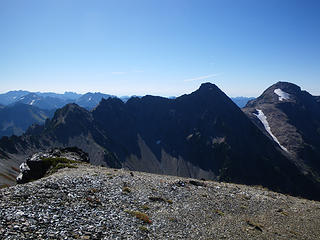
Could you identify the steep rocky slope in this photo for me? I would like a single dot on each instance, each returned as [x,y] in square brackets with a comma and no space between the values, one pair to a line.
[293,118]
[100,203]
[202,135]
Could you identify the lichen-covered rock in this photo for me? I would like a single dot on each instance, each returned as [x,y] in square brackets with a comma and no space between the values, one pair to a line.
[40,163]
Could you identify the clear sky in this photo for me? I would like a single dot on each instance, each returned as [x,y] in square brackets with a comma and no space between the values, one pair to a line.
[159,47]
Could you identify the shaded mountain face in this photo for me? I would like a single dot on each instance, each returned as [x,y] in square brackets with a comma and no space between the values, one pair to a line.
[203,135]
[293,117]
[15,119]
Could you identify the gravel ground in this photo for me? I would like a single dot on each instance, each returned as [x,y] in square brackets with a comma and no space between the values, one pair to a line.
[90,202]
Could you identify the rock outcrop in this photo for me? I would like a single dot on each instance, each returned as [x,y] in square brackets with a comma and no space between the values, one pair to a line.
[40,163]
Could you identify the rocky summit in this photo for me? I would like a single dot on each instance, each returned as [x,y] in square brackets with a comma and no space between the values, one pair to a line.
[91,202]
[291,118]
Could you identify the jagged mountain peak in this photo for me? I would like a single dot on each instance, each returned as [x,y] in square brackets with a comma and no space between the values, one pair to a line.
[70,108]
[70,111]
[106,103]
[91,100]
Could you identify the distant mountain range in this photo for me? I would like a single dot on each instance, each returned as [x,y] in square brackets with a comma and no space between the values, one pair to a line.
[50,100]
[15,96]
[202,134]
[20,109]
[46,103]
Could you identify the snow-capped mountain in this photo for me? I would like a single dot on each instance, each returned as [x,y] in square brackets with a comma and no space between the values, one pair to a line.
[291,117]
[43,102]
[12,97]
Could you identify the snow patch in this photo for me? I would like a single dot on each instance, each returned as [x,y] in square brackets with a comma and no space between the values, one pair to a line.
[19,177]
[282,95]
[90,98]
[263,119]
[32,102]
[24,167]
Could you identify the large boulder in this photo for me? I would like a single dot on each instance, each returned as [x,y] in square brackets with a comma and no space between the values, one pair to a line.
[40,163]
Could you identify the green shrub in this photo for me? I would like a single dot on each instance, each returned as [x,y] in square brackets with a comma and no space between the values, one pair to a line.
[54,164]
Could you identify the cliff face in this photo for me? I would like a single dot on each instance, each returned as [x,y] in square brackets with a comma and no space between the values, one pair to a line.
[90,202]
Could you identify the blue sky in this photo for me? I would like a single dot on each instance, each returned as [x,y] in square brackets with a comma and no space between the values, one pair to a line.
[166,47]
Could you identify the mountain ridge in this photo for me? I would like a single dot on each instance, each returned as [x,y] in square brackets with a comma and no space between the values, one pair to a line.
[194,135]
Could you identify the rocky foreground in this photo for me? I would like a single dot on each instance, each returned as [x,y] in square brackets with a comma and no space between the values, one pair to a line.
[90,202]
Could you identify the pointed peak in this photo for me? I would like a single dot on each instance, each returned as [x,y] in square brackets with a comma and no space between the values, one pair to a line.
[209,89]
[208,86]
[69,108]
[108,102]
